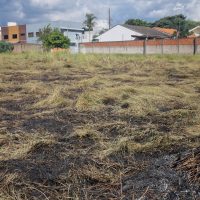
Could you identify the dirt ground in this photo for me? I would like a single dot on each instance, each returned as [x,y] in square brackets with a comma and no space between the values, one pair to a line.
[99,127]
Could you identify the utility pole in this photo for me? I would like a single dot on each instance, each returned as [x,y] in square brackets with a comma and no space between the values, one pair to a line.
[109,18]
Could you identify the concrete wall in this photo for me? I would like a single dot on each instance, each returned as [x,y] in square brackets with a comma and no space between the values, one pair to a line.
[168,46]
[19,48]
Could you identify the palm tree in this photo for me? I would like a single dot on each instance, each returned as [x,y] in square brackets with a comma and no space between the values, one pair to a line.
[89,22]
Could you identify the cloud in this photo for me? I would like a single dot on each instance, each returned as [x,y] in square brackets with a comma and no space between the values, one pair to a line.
[43,10]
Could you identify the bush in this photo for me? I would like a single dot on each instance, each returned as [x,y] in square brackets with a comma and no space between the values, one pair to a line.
[6,47]
[53,38]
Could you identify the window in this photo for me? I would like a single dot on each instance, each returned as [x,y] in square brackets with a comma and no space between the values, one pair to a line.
[31,34]
[5,37]
[73,44]
[14,36]
[78,37]
[37,34]
[23,34]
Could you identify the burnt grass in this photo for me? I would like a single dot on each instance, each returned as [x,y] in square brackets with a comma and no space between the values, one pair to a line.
[73,166]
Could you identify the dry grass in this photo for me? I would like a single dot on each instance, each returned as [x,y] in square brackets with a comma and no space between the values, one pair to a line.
[71,125]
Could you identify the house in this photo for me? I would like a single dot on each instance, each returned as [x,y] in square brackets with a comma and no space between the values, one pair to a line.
[169,31]
[195,32]
[128,32]
[13,33]
[0,34]
[73,30]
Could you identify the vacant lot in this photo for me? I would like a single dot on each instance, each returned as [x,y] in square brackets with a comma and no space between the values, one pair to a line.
[99,127]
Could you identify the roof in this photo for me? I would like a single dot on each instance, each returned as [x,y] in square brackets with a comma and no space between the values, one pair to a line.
[146,31]
[58,24]
[169,31]
[197,27]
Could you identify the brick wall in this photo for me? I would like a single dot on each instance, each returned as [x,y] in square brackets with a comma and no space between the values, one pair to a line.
[167,46]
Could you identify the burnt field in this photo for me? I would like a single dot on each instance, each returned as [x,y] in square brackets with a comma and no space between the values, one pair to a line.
[105,127]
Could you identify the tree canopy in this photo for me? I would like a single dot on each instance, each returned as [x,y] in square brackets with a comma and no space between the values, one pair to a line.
[53,38]
[178,22]
[137,22]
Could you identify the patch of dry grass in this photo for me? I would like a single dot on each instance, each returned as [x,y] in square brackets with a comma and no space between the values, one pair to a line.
[71,124]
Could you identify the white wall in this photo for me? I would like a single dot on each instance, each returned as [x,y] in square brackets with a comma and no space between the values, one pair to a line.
[117,33]
[197,32]
[88,36]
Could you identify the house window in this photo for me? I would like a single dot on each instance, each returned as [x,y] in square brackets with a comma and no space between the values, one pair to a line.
[37,34]
[31,34]
[78,37]
[73,44]
[14,36]
[5,37]
[23,34]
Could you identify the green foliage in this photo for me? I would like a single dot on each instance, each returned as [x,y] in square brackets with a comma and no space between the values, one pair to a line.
[89,21]
[178,22]
[57,40]
[53,38]
[137,22]
[6,47]
[44,32]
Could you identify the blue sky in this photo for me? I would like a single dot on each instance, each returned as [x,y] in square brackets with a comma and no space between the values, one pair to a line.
[28,11]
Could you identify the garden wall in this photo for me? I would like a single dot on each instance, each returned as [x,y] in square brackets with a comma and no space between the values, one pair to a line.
[166,46]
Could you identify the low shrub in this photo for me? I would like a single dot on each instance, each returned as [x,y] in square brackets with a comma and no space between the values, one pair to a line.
[6,47]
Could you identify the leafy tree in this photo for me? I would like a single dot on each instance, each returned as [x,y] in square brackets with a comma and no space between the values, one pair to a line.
[137,22]
[178,22]
[53,38]
[44,32]
[6,47]
[89,22]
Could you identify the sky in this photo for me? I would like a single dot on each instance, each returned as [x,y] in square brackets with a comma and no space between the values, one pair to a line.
[31,11]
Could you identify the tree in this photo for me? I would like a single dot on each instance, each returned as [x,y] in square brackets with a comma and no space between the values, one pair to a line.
[53,38]
[43,34]
[178,22]
[6,47]
[89,22]
[137,22]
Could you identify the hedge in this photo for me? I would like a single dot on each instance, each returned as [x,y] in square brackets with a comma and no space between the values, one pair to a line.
[6,47]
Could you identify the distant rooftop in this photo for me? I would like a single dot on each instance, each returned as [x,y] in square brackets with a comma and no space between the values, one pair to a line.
[60,24]
[146,31]
[169,31]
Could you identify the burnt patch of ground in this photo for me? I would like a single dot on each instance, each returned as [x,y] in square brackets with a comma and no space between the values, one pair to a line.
[99,127]
[50,125]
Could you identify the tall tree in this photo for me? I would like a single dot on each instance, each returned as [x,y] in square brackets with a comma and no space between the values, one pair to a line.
[89,22]
[178,22]
[137,22]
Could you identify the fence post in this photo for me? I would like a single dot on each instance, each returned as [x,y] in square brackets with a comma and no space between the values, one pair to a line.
[195,46]
[162,46]
[145,47]
[178,45]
